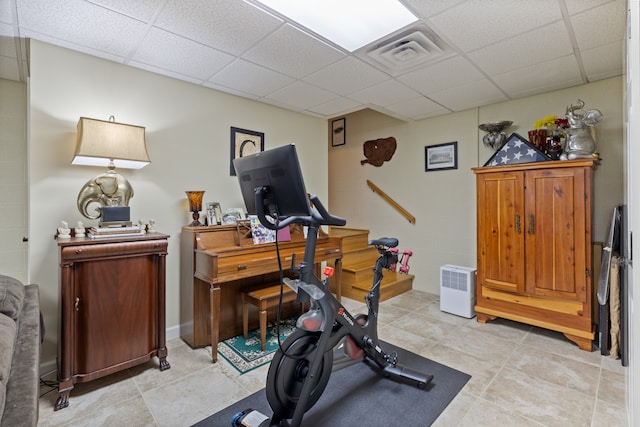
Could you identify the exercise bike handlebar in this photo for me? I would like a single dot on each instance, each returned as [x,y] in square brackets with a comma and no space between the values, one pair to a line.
[318,214]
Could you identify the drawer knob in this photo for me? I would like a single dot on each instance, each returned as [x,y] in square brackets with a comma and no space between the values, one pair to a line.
[78,251]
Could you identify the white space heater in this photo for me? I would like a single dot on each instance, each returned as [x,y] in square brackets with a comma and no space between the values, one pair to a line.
[458,290]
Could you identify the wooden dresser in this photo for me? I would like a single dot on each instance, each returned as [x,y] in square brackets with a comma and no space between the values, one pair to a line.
[111,307]
[217,262]
[534,246]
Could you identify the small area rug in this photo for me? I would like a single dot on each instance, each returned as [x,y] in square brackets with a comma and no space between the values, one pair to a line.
[246,355]
[357,396]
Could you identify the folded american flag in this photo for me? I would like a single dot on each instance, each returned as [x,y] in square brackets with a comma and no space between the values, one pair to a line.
[516,150]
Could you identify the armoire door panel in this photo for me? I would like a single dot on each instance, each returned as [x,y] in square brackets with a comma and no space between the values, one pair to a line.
[555,244]
[500,225]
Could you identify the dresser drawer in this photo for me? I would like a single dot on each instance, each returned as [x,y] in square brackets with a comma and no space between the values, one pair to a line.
[107,250]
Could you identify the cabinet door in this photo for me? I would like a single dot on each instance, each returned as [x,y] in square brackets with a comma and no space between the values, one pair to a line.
[557,233]
[116,313]
[500,231]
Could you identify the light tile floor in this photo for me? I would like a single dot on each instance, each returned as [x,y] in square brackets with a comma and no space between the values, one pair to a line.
[521,376]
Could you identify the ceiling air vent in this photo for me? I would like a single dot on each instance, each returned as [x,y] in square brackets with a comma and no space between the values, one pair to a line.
[410,49]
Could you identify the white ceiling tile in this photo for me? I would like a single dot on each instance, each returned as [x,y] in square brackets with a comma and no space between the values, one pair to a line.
[170,52]
[385,93]
[472,24]
[607,28]
[577,6]
[164,72]
[336,107]
[354,76]
[6,30]
[281,104]
[541,77]
[85,24]
[139,9]
[301,95]
[250,78]
[418,108]
[293,52]
[603,62]
[451,72]
[507,42]
[231,91]
[5,12]
[231,26]
[508,55]
[469,95]
[428,8]
[27,34]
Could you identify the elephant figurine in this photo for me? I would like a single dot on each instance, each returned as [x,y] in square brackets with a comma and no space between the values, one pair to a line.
[107,189]
[580,143]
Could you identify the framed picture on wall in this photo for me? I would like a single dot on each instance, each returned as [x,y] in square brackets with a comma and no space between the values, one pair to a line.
[243,143]
[441,157]
[338,132]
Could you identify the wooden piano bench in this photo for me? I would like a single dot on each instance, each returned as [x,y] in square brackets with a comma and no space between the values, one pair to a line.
[264,299]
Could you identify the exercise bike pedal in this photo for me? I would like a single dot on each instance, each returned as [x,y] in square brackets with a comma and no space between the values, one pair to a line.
[408,375]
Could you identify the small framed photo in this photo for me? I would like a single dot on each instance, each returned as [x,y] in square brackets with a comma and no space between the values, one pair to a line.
[441,157]
[338,132]
[233,215]
[243,143]
[214,213]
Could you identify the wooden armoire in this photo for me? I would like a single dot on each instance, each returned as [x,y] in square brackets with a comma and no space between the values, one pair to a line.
[534,246]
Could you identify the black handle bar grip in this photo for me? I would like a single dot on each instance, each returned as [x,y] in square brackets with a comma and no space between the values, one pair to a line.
[325,217]
[319,215]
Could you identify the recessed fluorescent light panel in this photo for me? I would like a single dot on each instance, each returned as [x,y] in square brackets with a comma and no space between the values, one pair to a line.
[348,23]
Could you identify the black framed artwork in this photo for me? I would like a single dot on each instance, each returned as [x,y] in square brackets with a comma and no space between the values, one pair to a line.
[338,132]
[441,157]
[243,143]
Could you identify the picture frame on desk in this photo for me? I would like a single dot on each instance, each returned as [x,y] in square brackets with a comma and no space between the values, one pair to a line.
[233,215]
[214,213]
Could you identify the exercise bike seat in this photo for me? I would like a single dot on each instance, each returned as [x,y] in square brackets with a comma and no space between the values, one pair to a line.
[389,242]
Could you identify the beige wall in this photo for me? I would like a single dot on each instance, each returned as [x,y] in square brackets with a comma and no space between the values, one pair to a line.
[188,141]
[443,202]
[188,135]
[13,179]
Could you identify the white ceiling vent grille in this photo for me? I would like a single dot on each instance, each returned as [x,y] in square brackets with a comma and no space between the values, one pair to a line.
[410,49]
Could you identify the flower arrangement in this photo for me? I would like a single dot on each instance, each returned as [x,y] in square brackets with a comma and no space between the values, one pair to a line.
[551,122]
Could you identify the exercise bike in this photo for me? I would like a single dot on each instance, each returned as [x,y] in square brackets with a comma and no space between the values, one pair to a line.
[271,183]
[301,367]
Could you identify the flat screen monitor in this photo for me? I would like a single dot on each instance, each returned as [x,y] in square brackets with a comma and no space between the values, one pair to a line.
[279,170]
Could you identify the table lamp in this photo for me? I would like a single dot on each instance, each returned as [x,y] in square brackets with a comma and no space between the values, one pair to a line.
[195,206]
[110,144]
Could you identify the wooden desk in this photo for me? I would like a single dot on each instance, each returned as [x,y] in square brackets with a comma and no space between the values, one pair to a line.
[217,262]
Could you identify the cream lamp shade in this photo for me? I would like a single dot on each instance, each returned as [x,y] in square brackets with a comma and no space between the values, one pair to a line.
[101,142]
[110,144]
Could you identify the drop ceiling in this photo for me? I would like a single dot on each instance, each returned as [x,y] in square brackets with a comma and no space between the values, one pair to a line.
[459,54]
